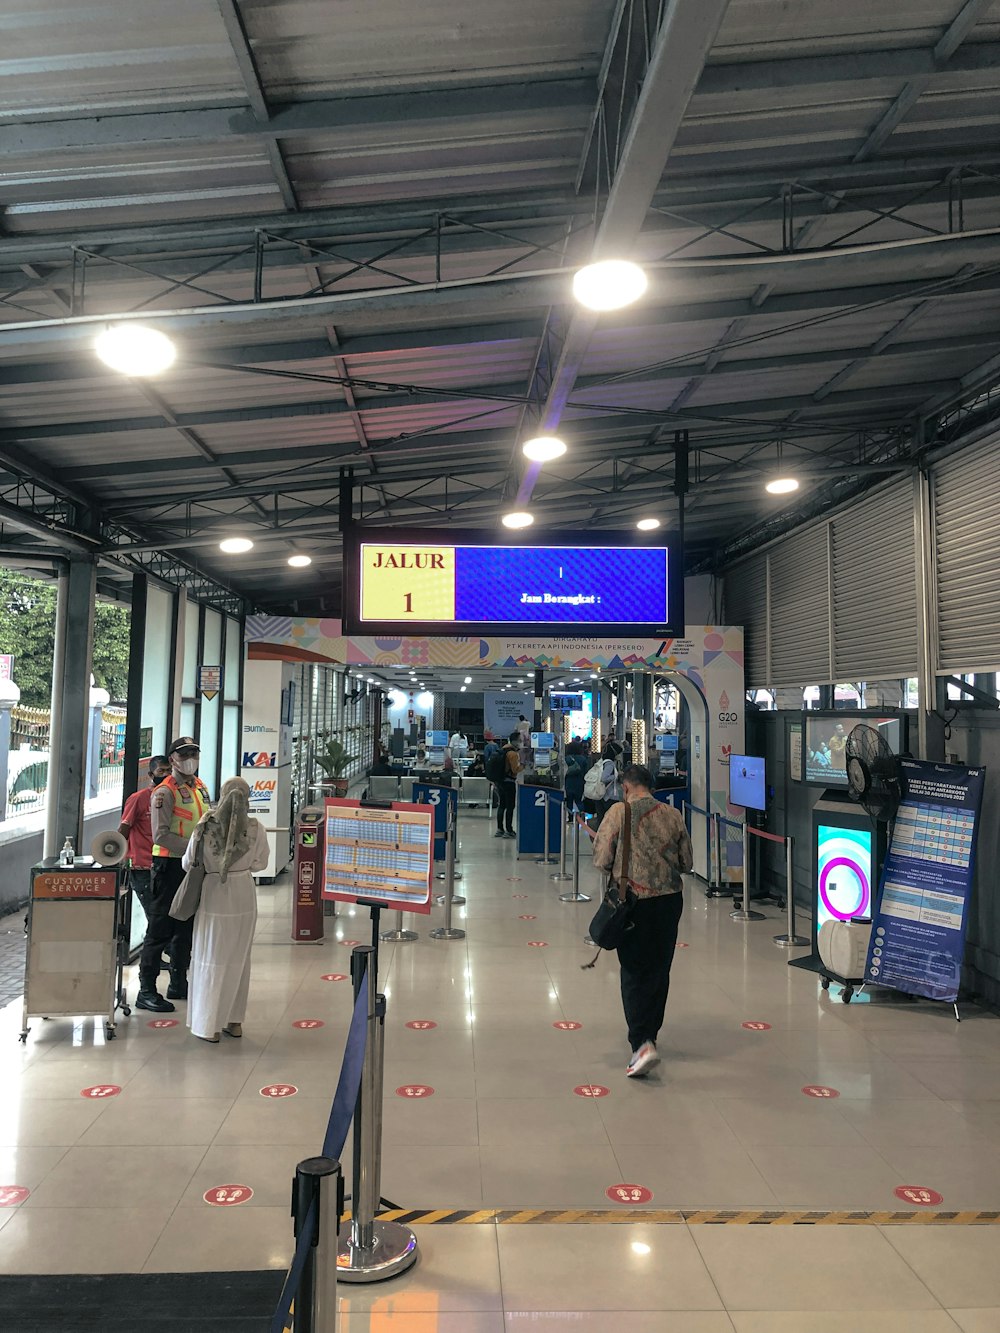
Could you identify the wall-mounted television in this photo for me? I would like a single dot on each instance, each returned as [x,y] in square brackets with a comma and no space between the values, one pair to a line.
[422,581]
[747,782]
[826,742]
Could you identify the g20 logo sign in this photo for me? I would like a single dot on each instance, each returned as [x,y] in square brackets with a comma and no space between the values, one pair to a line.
[728,719]
[259,759]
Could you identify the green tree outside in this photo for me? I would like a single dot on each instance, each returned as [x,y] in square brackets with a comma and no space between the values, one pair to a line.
[27,630]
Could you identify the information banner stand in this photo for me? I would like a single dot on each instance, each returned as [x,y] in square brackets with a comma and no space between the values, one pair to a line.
[307,904]
[441,798]
[72,963]
[531,820]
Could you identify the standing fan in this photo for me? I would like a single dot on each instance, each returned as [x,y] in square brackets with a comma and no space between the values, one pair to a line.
[873,773]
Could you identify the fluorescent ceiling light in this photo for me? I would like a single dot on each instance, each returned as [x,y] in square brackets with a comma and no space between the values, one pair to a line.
[236,545]
[543,448]
[468,680]
[782,486]
[648,524]
[135,349]
[461,689]
[299,561]
[518,519]
[610,284]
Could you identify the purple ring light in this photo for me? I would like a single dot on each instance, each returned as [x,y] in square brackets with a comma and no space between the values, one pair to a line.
[862,880]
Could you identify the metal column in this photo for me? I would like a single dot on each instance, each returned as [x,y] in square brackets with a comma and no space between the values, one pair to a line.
[72,662]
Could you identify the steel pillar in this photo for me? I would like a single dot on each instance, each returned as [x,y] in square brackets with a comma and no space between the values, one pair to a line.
[72,662]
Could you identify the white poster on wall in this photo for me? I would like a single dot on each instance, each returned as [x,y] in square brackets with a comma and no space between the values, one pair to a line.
[503,708]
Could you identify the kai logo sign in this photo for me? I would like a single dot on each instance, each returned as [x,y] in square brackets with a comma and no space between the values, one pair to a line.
[403,582]
[259,758]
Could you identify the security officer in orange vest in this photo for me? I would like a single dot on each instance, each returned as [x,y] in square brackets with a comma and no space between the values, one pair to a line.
[177,805]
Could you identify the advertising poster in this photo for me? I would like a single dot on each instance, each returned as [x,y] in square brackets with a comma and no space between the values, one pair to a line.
[503,708]
[795,752]
[919,935]
[844,865]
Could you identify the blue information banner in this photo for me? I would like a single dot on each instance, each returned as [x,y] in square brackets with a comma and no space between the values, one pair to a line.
[425,793]
[559,585]
[918,938]
[531,802]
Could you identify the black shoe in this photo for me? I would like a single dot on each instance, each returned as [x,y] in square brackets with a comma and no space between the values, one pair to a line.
[499,833]
[154,1002]
[177,990]
[510,833]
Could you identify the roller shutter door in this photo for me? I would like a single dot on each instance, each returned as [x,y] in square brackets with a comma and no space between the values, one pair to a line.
[875,587]
[967,524]
[799,605]
[746,605]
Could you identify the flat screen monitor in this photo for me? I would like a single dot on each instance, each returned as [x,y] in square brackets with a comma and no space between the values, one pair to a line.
[466,583]
[747,786]
[565,703]
[826,743]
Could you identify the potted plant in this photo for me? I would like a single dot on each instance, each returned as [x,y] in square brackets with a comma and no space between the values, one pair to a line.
[334,760]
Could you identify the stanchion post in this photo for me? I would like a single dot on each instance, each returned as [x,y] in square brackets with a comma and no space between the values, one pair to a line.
[574,895]
[545,859]
[447,931]
[744,913]
[398,932]
[372,1250]
[318,1181]
[561,872]
[790,940]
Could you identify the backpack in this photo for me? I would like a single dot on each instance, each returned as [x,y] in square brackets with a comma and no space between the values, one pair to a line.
[496,766]
[594,785]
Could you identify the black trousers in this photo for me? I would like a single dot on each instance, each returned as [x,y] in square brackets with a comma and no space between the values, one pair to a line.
[162,931]
[507,792]
[645,955]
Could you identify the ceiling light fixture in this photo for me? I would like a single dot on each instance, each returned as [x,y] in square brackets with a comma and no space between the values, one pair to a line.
[782,486]
[468,680]
[648,524]
[610,284]
[543,448]
[519,518]
[236,545]
[462,689]
[135,349]
[299,561]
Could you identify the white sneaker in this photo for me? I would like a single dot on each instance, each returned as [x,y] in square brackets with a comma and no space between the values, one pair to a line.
[643,1060]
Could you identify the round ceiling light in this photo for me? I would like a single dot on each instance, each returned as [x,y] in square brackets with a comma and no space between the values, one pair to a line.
[236,545]
[610,284]
[648,524]
[543,448]
[468,680]
[299,561]
[782,486]
[135,349]
[518,519]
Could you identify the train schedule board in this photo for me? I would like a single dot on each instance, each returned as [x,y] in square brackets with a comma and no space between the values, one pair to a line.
[436,582]
[378,853]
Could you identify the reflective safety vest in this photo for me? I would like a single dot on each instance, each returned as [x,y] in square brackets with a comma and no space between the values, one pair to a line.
[190,803]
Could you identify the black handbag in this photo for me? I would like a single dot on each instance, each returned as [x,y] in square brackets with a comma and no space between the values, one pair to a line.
[613,919]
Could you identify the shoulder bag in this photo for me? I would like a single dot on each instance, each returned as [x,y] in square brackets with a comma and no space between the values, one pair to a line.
[187,899]
[614,916]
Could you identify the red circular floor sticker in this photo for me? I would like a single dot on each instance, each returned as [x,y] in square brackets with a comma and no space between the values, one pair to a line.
[682,945]
[591,1090]
[279,1090]
[101,1090]
[519,895]
[227,1196]
[629,1194]
[307,1024]
[349,943]
[413,1091]
[514,879]
[919,1195]
[334,976]
[421,1024]
[527,917]
[566,1025]
[12,1195]
[163,1023]
[818,1090]
[755,1026]
[538,944]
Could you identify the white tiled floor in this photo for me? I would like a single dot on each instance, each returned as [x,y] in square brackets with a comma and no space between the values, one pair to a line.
[117,1185]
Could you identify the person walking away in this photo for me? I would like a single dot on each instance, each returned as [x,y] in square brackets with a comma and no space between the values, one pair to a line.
[232,847]
[660,853]
[137,828]
[177,805]
[507,787]
[576,769]
[523,732]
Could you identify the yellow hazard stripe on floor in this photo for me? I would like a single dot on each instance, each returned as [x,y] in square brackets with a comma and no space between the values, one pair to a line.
[670,1217]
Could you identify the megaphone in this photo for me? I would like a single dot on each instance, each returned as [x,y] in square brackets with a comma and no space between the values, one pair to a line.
[109,848]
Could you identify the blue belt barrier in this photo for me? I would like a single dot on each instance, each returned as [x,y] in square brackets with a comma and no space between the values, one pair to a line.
[341,1114]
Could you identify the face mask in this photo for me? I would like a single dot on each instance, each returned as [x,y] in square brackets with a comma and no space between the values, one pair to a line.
[189,767]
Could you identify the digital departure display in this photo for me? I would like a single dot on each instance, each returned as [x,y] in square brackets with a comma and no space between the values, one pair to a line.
[447,583]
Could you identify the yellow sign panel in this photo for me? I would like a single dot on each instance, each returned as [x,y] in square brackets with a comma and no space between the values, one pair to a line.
[403,583]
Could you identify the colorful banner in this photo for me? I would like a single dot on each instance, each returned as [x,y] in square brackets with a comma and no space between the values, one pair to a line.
[918,939]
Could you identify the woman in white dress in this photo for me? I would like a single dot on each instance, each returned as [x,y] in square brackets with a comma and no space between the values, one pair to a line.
[232,847]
